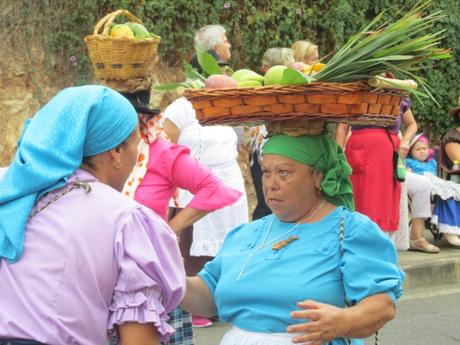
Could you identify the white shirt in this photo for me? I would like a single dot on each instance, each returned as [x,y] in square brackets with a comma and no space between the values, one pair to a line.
[211,145]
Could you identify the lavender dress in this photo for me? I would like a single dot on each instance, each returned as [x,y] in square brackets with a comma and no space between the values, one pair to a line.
[91,261]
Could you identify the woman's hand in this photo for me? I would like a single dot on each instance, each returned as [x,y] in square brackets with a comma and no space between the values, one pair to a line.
[327,322]
[404,148]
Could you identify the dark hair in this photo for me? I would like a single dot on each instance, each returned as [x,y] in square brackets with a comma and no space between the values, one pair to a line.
[88,160]
[453,136]
[140,101]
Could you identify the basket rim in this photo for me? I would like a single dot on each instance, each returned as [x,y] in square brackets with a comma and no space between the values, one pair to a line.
[313,87]
[106,37]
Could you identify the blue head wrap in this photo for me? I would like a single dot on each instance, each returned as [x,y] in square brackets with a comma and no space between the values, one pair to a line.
[78,122]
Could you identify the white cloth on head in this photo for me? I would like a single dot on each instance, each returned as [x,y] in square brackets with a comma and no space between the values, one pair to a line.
[216,148]
[211,145]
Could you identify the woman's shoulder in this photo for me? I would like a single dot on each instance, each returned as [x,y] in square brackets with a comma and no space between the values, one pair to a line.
[356,222]
[166,150]
[249,229]
[179,110]
[121,207]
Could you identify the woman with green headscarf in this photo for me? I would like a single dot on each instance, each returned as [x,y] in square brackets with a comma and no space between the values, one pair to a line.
[288,277]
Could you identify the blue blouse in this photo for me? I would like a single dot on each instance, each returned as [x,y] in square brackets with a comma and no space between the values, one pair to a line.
[272,282]
[421,168]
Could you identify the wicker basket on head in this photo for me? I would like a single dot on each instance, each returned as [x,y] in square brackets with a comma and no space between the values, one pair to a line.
[120,58]
[353,103]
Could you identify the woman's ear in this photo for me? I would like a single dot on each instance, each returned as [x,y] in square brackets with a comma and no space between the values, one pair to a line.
[317,178]
[115,154]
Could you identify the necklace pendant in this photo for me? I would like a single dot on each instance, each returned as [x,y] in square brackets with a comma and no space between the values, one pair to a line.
[284,243]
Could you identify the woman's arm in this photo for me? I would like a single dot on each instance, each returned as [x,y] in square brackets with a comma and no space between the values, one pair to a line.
[210,193]
[341,134]
[172,131]
[185,218]
[138,334]
[328,322]
[410,129]
[198,299]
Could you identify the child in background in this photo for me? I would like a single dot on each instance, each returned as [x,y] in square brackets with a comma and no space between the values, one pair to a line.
[421,156]
[446,194]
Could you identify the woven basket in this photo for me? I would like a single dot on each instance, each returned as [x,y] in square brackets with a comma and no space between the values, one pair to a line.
[353,103]
[120,58]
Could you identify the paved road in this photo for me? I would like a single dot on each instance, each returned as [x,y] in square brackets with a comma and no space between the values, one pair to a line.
[421,320]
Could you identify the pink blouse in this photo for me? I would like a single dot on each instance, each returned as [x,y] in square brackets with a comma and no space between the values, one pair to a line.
[170,167]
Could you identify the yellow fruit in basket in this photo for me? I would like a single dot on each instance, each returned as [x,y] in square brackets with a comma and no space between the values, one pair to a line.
[121,30]
[274,75]
[317,67]
[139,30]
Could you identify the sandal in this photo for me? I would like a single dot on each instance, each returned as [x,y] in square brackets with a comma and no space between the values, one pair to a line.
[422,245]
[453,240]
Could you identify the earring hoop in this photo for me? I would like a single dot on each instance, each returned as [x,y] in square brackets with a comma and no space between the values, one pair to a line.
[116,166]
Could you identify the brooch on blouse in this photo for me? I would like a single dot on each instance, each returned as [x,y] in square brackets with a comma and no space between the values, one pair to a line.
[284,243]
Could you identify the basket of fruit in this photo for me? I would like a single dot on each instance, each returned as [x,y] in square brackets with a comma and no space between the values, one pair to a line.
[356,85]
[121,51]
[354,103]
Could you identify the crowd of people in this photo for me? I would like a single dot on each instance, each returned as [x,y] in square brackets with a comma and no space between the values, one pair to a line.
[120,224]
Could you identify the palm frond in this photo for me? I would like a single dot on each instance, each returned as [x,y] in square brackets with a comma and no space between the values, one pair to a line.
[401,46]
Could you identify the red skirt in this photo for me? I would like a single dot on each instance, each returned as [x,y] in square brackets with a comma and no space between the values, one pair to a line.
[376,192]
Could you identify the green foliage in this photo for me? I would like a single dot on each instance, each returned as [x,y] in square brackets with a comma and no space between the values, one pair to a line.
[252,27]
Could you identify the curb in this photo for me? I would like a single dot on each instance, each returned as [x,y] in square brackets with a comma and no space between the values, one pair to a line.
[430,271]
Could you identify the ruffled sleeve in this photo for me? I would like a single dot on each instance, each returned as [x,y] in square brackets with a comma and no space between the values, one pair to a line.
[151,277]
[369,261]
[210,193]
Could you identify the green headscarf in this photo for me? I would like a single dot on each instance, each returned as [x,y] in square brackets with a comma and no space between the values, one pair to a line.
[323,154]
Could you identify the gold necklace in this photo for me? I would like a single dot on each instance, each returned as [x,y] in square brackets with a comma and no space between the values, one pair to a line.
[264,242]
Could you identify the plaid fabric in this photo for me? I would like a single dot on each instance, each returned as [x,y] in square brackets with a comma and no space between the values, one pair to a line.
[181,321]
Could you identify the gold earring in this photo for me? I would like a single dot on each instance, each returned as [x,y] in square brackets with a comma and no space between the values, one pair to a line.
[116,166]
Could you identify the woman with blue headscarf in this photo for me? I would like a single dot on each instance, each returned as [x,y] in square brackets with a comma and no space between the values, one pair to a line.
[288,277]
[77,257]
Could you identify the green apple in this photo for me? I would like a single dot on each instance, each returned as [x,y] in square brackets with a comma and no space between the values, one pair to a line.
[250,83]
[246,74]
[274,75]
[139,30]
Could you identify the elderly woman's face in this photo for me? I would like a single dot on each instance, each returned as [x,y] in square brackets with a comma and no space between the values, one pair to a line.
[290,188]
[223,49]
